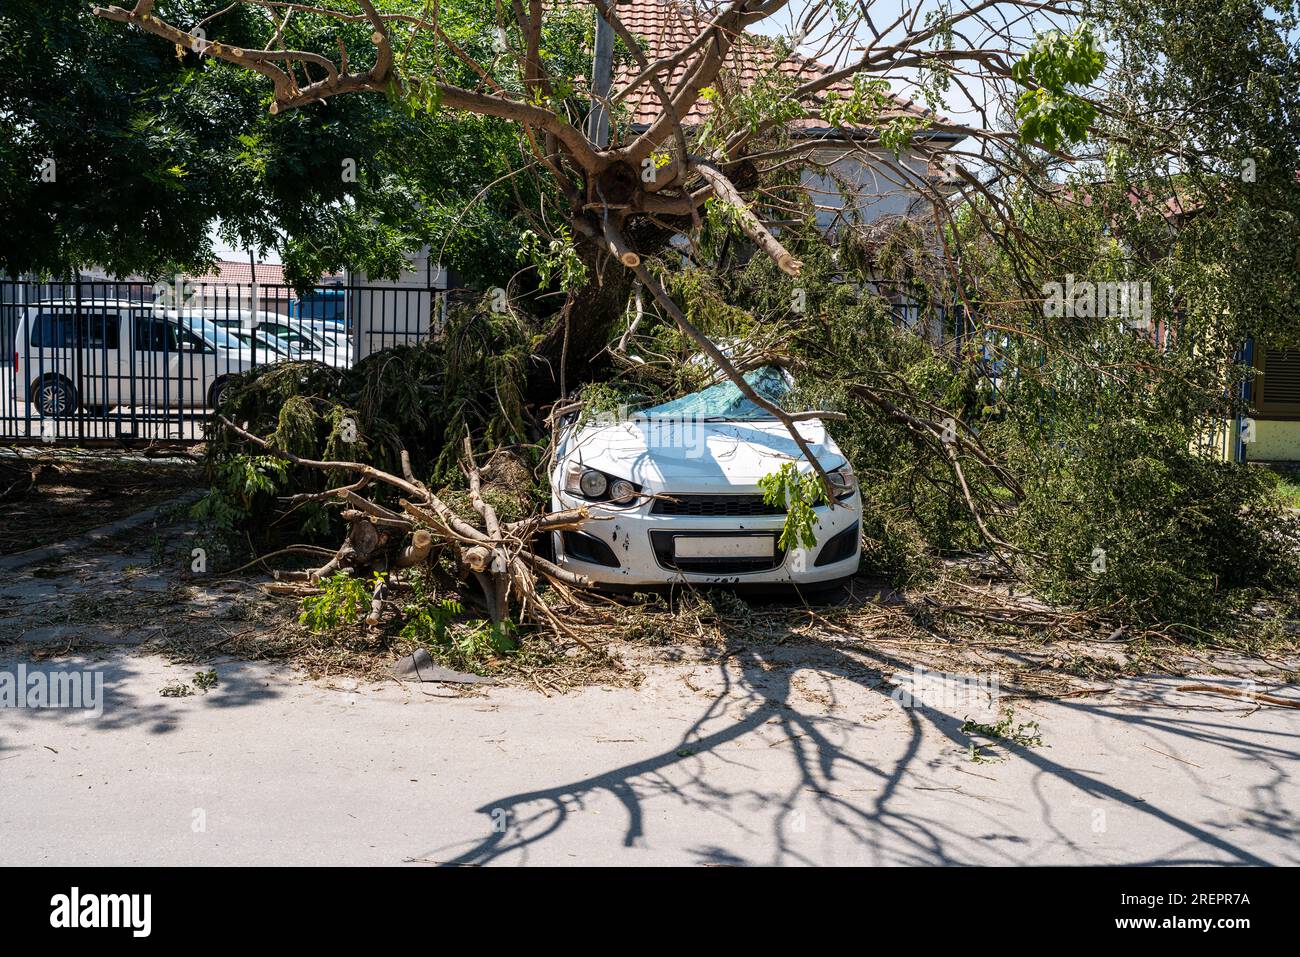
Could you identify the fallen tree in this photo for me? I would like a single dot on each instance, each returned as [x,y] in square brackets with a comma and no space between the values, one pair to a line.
[642,235]
[501,558]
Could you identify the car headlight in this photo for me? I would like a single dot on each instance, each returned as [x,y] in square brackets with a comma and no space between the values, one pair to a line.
[843,481]
[597,486]
[622,492]
[593,484]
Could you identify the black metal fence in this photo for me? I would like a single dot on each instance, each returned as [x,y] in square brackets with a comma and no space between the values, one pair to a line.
[91,361]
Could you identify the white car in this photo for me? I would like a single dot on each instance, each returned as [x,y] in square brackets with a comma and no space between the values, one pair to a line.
[677,488]
[310,342]
[109,353]
[293,339]
[268,348]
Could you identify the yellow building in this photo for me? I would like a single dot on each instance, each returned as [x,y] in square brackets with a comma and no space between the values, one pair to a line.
[1275,407]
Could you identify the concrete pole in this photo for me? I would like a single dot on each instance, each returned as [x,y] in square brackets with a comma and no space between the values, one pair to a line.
[601,68]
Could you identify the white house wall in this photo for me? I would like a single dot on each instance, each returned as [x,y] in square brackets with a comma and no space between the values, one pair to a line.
[879,184]
[389,313]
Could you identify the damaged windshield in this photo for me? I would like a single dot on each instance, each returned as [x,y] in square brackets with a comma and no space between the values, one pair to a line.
[724,402]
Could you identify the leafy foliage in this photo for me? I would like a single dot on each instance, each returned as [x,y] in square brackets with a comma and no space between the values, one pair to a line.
[152,150]
[1024,734]
[343,601]
[1048,111]
[428,625]
[241,486]
[558,261]
[438,625]
[1126,516]
[798,493]
[422,398]
[1226,74]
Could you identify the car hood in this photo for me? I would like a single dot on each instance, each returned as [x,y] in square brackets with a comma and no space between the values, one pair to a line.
[696,456]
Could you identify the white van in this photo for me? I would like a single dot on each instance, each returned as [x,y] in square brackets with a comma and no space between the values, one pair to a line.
[109,353]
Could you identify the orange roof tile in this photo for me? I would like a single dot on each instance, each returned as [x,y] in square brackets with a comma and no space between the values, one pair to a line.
[229,272]
[666,26]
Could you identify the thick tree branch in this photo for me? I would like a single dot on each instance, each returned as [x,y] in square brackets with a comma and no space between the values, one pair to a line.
[758,234]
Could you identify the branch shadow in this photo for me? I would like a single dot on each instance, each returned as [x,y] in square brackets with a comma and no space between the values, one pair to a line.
[886,827]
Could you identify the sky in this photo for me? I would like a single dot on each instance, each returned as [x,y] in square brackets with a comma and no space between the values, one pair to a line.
[224,251]
[882,13]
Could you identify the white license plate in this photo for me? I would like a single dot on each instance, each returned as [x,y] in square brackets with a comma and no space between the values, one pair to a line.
[723,546]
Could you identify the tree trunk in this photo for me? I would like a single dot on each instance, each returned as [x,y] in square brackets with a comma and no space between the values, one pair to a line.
[592,314]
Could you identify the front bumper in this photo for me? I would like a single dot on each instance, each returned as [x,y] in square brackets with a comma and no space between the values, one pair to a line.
[642,545]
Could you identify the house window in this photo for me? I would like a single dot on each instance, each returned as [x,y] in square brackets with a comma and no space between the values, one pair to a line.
[1277,387]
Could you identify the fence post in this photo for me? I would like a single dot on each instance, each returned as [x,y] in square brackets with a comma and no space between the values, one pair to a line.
[1247,356]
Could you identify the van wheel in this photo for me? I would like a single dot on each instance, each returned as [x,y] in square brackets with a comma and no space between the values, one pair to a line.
[55,397]
[217,393]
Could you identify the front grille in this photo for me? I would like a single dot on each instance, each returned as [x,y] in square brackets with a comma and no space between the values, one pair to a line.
[714,505]
[662,542]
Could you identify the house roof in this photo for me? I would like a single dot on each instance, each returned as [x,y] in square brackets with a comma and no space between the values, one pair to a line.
[228,272]
[1171,206]
[231,272]
[667,26]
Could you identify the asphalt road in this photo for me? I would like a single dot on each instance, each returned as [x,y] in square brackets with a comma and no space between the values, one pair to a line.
[750,762]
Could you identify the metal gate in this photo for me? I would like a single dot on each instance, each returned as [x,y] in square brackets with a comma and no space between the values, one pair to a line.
[95,361]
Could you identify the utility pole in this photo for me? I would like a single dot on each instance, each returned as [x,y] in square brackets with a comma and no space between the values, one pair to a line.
[601,67]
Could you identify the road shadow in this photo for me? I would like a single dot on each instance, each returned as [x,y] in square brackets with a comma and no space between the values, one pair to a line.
[239,684]
[889,825]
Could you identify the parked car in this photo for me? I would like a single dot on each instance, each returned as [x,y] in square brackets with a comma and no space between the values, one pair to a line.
[107,353]
[312,341]
[293,340]
[296,340]
[334,335]
[266,348]
[677,487]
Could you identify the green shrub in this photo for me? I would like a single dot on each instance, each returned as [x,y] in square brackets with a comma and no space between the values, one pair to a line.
[1130,518]
[343,601]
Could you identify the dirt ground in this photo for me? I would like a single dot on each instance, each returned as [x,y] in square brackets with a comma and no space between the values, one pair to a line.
[766,734]
[135,590]
[49,495]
